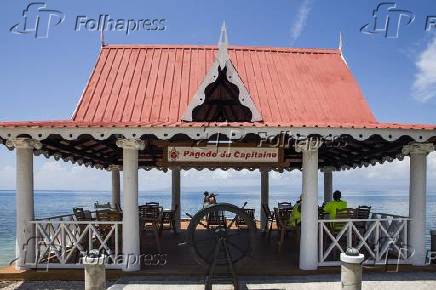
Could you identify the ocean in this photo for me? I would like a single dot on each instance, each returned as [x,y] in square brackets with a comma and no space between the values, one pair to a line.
[51,203]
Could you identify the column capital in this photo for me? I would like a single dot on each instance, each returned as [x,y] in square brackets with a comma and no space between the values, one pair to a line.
[418,148]
[24,143]
[131,144]
[328,169]
[308,145]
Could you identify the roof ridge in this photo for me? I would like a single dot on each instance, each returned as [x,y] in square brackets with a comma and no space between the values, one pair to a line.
[231,47]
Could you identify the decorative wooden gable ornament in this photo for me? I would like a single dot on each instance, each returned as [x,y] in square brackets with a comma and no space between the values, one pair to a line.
[222,96]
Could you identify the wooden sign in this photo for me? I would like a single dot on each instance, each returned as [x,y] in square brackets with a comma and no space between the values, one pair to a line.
[224,155]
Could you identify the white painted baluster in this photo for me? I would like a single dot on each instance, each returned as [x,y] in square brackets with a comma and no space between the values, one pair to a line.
[321,241]
[63,243]
[349,234]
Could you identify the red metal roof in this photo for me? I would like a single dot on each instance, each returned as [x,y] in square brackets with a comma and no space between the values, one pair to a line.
[153,84]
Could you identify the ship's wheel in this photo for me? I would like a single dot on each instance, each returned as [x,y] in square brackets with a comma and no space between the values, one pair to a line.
[221,235]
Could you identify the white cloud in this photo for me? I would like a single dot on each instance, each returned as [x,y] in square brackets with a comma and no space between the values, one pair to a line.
[58,175]
[300,22]
[424,86]
[390,176]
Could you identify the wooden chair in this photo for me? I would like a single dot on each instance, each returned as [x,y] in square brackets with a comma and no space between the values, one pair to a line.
[344,213]
[150,217]
[285,205]
[283,226]
[152,203]
[105,229]
[269,220]
[362,212]
[240,223]
[216,219]
[110,216]
[168,220]
[321,213]
[82,215]
[88,215]
[106,205]
[79,213]
[117,207]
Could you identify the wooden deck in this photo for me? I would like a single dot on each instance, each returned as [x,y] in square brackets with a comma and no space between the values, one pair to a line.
[265,258]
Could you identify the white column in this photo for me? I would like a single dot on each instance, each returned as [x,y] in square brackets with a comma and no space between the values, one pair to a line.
[309,207]
[328,183]
[25,243]
[116,199]
[264,195]
[175,194]
[417,199]
[131,235]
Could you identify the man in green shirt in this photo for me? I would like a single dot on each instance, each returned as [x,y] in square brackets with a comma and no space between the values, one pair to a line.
[331,206]
[296,214]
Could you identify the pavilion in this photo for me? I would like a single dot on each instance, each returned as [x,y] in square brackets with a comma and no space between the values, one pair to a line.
[183,106]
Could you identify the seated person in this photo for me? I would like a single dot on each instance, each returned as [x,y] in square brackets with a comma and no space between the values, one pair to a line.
[212,198]
[296,214]
[331,206]
[206,199]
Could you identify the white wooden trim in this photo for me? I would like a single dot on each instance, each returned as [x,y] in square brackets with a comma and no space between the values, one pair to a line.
[198,133]
[222,60]
[61,238]
[378,227]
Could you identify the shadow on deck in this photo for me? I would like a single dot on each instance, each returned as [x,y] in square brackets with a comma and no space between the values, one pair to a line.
[265,258]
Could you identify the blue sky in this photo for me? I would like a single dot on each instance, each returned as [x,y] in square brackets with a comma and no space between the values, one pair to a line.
[43,78]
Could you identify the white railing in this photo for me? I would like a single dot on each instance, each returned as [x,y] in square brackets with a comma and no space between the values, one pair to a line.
[63,243]
[382,238]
